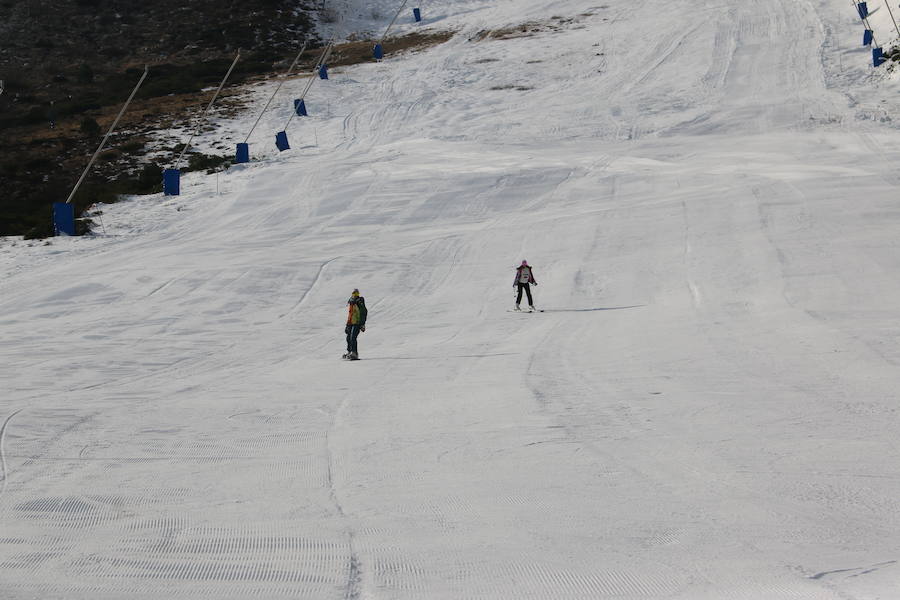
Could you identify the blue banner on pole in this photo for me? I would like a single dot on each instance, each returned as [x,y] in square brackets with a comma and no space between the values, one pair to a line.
[243,153]
[867,37]
[171,182]
[877,56]
[323,71]
[417,14]
[63,218]
[378,52]
[300,107]
[281,141]
[863,10]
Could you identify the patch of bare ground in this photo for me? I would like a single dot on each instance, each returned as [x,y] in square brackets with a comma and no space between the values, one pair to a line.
[518,88]
[49,160]
[555,24]
[355,52]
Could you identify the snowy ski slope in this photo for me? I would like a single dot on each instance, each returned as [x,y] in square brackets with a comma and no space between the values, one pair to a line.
[708,408]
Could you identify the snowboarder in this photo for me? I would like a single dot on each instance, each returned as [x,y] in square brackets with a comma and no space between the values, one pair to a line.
[356,322]
[524,277]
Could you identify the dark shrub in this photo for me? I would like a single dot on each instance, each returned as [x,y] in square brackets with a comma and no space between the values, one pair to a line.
[85,73]
[209,162]
[149,180]
[90,127]
[36,114]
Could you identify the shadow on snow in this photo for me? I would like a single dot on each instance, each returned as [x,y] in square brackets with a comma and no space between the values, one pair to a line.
[592,309]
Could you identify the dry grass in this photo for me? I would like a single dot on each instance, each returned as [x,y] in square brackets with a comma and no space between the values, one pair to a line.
[554,24]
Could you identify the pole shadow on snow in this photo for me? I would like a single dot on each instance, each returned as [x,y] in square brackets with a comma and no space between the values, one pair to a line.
[451,356]
[592,309]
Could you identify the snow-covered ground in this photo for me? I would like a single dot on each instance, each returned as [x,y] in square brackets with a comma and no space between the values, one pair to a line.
[707,409]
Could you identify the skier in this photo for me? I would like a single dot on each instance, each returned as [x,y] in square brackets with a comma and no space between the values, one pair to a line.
[356,322]
[524,277]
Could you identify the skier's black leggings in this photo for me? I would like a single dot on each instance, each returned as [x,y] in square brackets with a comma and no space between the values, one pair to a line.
[352,332]
[527,289]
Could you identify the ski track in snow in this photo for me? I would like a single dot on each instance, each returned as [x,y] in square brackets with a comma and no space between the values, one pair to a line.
[705,411]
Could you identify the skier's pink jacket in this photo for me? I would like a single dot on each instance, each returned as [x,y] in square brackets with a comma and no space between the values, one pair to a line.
[519,274]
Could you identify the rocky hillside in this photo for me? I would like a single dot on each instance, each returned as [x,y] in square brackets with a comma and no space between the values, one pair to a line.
[69,64]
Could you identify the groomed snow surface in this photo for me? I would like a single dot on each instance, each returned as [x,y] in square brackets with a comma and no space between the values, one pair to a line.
[708,408]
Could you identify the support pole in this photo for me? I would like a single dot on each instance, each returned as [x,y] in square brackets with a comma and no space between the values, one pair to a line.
[323,64]
[172,177]
[272,97]
[863,15]
[862,12]
[378,50]
[243,149]
[300,101]
[328,52]
[108,133]
[890,12]
[391,24]
[208,106]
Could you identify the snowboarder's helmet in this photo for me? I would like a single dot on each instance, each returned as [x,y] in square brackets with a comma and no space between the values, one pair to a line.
[524,263]
[355,293]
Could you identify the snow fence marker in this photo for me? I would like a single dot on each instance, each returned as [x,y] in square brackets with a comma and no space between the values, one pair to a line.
[867,37]
[300,107]
[63,218]
[281,141]
[242,155]
[171,182]
[417,15]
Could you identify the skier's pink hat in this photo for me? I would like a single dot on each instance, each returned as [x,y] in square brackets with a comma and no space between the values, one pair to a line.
[525,263]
